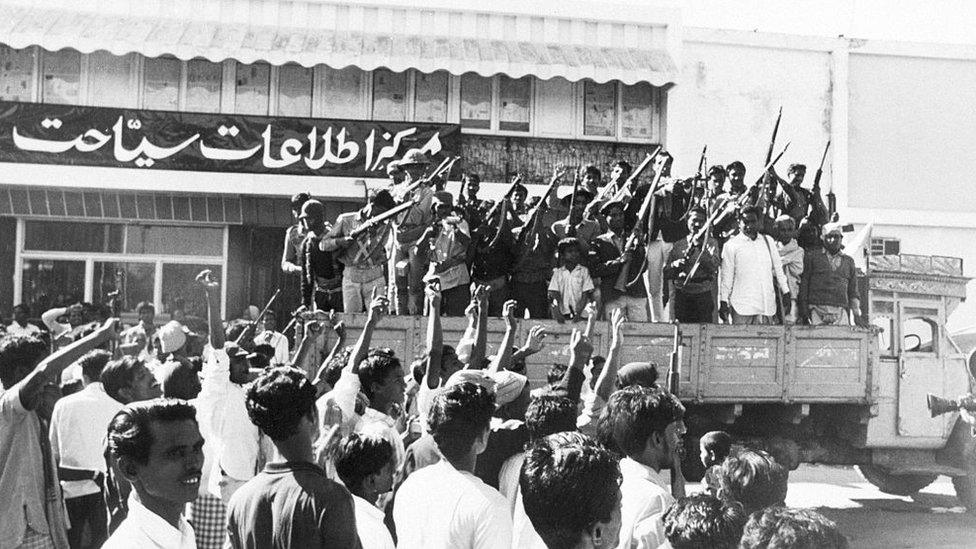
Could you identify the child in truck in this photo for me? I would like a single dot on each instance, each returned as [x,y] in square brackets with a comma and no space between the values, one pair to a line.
[571,287]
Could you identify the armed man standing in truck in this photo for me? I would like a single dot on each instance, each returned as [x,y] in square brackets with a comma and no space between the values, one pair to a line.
[828,287]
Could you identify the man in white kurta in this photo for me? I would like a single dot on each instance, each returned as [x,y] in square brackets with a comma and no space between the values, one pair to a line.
[750,261]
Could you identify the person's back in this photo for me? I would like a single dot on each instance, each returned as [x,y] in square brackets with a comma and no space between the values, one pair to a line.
[290,505]
[439,506]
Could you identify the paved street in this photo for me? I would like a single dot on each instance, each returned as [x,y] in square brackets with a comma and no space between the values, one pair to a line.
[871,518]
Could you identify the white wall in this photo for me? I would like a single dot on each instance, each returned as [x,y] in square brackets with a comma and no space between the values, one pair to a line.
[728,98]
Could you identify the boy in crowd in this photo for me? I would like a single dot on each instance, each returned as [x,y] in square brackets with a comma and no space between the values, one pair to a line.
[703,520]
[159,451]
[292,503]
[784,528]
[753,478]
[571,490]
[571,287]
[364,463]
[714,447]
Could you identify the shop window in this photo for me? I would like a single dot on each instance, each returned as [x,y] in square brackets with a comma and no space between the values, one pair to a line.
[203,85]
[161,83]
[181,292]
[62,236]
[475,101]
[342,92]
[52,283]
[430,97]
[16,74]
[137,282]
[389,95]
[599,109]
[110,82]
[513,103]
[172,240]
[637,111]
[253,84]
[294,91]
[61,71]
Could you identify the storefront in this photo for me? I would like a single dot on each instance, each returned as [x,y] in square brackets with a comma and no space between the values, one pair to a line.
[524,90]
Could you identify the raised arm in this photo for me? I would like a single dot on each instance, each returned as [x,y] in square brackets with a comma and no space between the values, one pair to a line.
[50,319]
[214,321]
[477,357]
[605,383]
[377,308]
[503,359]
[533,344]
[435,337]
[290,262]
[580,350]
[49,369]
[340,330]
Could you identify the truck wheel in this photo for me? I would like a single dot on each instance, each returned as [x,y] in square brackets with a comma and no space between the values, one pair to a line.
[900,485]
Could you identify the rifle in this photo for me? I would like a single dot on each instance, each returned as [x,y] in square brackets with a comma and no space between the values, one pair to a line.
[251,327]
[533,217]
[632,179]
[734,205]
[508,196]
[702,162]
[644,217]
[674,368]
[377,219]
[831,198]
[571,222]
[769,156]
[445,167]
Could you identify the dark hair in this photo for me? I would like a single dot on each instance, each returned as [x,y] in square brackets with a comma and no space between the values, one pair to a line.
[785,528]
[18,353]
[145,305]
[549,414]
[590,169]
[458,416]
[718,442]
[556,373]
[265,349]
[735,164]
[93,363]
[703,521]
[717,170]
[749,210]
[624,166]
[634,413]
[359,456]
[375,368]
[119,374]
[298,200]
[278,400]
[129,434]
[796,168]
[235,328]
[472,176]
[333,370]
[753,478]
[383,199]
[566,243]
[569,482]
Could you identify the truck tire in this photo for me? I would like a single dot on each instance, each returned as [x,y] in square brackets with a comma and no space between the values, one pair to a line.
[900,485]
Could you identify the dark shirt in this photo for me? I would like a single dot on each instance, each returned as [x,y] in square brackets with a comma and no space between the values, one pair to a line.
[604,263]
[492,261]
[822,284]
[291,505]
[707,267]
[317,266]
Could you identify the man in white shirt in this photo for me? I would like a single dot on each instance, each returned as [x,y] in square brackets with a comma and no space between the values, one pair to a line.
[571,491]
[747,289]
[159,451]
[138,340]
[63,334]
[77,434]
[269,336]
[365,465]
[646,424]
[444,505]
[19,324]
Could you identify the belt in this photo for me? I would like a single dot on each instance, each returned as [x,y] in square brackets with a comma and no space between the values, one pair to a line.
[68,474]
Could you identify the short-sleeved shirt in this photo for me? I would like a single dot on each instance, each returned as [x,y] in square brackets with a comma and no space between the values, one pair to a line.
[571,286]
[21,470]
[291,504]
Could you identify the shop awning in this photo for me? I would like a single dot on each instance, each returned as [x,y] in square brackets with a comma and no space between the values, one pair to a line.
[339,35]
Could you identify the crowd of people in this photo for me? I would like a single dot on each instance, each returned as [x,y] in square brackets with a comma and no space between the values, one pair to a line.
[706,248]
[231,434]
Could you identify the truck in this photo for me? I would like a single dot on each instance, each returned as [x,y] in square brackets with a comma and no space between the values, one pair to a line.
[806,394]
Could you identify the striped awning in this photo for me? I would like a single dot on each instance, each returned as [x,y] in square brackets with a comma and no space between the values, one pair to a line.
[339,34]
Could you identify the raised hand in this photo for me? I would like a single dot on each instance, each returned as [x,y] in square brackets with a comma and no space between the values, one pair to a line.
[205,279]
[580,348]
[617,320]
[508,313]
[433,293]
[377,307]
[536,340]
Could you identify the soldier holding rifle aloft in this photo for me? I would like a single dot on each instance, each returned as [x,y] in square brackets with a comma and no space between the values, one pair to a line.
[535,247]
[692,266]
[407,267]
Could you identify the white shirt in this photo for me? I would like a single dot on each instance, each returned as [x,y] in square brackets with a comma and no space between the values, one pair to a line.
[372,421]
[22,483]
[747,275]
[222,414]
[144,529]
[276,340]
[571,286]
[15,329]
[524,535]
[643,504]
[369,524]
[439,507]
[508,479]
[78,427]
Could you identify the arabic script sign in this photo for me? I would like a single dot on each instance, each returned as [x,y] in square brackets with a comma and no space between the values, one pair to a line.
[94,136]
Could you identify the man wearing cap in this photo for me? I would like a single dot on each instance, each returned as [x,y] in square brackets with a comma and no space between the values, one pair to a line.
[407,267]
[172,340]
[321,281]
[446,244]
[291,261]
[364,257]
[607,257]
[267,334]
[828,288]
